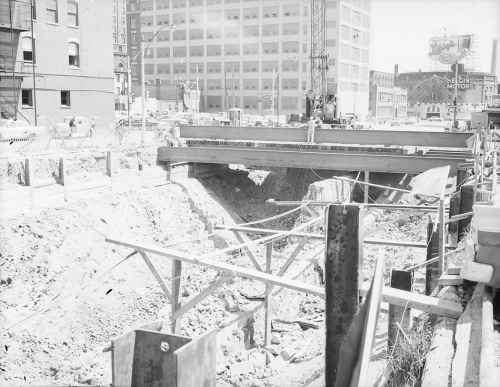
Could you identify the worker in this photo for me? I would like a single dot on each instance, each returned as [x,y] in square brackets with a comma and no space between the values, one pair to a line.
[318,123]
[310,130]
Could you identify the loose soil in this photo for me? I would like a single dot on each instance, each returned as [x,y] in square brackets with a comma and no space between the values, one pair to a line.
[48,253]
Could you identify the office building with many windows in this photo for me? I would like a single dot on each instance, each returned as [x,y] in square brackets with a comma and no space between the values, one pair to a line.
[57,60]
[237,46]
[120,53]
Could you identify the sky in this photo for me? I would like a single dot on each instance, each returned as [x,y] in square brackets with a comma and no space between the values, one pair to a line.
[401,30]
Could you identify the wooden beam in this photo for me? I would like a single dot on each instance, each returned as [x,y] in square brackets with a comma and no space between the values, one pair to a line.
[200,296]
[252,230]
[316,159]
[157,275]
[487,374]
[417,301]
[466,203]
[398,314]
[388,223]
[261,240]
[176,294]
[240,271]
[369,205]
[247,250]
[338,136]
[289,261]
[268,297]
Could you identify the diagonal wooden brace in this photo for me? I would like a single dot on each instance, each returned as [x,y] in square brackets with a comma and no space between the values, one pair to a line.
[200,296]
[289,261]
[157,275]
[247,250]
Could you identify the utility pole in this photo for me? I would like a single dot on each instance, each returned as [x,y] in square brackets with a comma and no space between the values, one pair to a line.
[197,98]
[272,99]
[456,94]
[234,100]
[143,92]
[129,91]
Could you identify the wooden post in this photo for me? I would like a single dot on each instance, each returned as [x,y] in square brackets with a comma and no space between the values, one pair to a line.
[176,294]
[466,203]
[454,210]
[169,171]
[461,176]
[29,180]
[109,167]
[341,271]
[268,299]
[366,187]
[62,176]
[400,279]
[442,235]
[431,271]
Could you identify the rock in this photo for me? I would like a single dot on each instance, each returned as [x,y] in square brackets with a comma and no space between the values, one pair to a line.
[220,368]
[274,349]
[257,383]
[289,351]
[231,306]
[277,363]
[258,359]
[275,339]
[240,368]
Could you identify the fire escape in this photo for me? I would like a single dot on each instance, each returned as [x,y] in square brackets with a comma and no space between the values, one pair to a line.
[319,58]
[15,18]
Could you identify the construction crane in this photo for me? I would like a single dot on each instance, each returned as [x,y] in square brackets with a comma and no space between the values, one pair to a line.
[319,100]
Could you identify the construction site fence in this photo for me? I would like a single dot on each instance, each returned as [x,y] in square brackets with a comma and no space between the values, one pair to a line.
[102,137]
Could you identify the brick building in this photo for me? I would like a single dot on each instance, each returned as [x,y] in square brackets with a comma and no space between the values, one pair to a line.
[58,62]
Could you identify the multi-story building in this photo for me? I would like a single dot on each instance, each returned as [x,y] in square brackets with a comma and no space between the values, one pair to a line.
[121,57]
[386,102]
[237,46]
[380,78]
[57,60]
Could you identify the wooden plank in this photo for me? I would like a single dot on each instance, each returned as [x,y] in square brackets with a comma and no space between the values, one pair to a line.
[176,294]
[431,271]
[487,374]
[466,362]
[450,280]
[417,301]
[316,159]
[289,261]
[268,298]
[388,223]
[200,296]
[316,203]
[341,272]
[454,269]
[29,179]
[438,361]
[247,251]
[157,275]
[466,202]
[371,319]
[338,136]
[62,176]
[221,266]
[442,236]
[397,314]
[253,230]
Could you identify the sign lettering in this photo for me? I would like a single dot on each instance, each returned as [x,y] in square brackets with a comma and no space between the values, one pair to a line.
[462,84]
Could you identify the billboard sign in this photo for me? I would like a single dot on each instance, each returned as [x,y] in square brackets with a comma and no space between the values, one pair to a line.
[463,83]
[449,49]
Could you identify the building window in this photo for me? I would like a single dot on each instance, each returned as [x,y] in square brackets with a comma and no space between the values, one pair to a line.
[27,97]
[73,53]
[52,11]
[133,22]
[65,99]
[28,49]
[33,9]
[72,13]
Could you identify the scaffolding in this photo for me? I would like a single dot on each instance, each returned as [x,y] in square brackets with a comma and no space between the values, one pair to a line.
[16,17]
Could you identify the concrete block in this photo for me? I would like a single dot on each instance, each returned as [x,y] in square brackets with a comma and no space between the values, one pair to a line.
[289,351]
[274,349]
[241,368]
[258,359]
[277,363]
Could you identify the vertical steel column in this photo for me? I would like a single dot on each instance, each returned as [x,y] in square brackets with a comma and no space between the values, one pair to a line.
[432,270]
[466,203]
[341,271]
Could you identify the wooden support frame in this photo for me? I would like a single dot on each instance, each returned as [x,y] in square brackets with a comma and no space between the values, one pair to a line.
[368,205]
[442,236]
[157,275]
[397,314]
[200,296]
[392,221]
[466,202]
[432,270]
[247,250]
[29,179]
[62,176]
[268,298]
[176,294]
